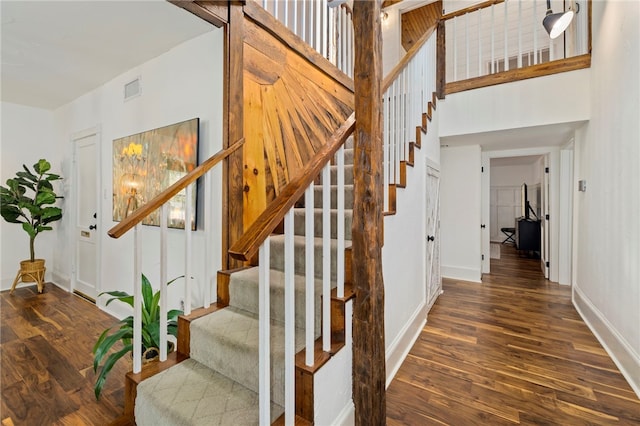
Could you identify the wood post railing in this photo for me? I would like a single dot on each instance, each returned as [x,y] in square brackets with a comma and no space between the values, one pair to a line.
[135,221]
[506,38]
[257,239]
[322,25]
[407,91]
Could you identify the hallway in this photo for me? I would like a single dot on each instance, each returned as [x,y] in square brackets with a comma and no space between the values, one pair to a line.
[512,350]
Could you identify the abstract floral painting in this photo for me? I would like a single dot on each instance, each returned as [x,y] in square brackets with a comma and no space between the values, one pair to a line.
[147,163]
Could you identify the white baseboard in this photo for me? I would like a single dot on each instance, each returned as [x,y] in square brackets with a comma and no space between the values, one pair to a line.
[400,347]
[616,346]
[62,281]
[464,274]
[347,416]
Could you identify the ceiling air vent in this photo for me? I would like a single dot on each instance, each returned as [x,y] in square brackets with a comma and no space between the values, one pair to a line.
[132,89]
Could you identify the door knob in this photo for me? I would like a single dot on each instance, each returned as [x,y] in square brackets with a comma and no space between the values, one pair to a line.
[93,226]
[431,237]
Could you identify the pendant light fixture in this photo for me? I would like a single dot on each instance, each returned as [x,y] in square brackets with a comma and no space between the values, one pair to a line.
[556,23]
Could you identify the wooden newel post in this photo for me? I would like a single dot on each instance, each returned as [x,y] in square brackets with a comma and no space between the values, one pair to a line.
[369,374]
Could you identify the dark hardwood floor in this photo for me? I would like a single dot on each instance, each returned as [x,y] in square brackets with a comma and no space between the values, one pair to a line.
[47,364]
[512,350]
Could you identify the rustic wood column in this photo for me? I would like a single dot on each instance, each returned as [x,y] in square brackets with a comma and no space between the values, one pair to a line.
[235,124]
[368,314]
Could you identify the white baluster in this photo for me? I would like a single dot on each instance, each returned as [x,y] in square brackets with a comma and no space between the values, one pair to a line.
[137,299]
[455,49]
[319,27]
[326,258]
[506,36]
[309,275]
[493,40]
[163,281]
[326,29]
[264,362]
[480,43]
[295,21]
[187,249]
[466,41]
[303,24]
[209,237]
[519,33]
[385,135]
[340,223]
[535,34]
[289,319]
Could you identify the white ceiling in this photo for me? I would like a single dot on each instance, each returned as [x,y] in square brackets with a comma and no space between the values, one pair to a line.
[524,160]
[55,51]
[525,137]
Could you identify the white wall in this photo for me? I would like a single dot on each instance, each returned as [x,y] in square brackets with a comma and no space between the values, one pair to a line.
[460,196]
[26,138]
[392,50]
[607,154]
[514,175]
[183,83]
[496,108]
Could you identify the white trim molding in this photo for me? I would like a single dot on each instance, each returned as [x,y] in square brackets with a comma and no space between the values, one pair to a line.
[400,347]
[622,354]
[465,274]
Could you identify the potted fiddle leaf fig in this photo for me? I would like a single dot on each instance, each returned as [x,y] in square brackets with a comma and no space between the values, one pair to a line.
[124,332]
[28,200]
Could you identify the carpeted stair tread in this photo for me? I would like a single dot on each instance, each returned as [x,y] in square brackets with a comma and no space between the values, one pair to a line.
[348,175]
[191,394]
[243,294]
[277,254]
[299,222]
[227,341]
[348,196]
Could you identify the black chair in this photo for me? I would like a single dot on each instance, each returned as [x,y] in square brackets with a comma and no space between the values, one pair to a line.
[510,233]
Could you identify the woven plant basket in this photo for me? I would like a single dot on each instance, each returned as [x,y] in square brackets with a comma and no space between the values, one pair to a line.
[32,271]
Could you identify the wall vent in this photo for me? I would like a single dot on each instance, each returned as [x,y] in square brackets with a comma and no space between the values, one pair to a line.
[132,89]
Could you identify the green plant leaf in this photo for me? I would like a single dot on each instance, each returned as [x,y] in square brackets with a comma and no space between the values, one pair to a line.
[107,343]
[106,368]
[45,196]
[10,213]
[147,293]
[53,176]
[173,314]
[42,166]
[29,229]
[154,334]
[154,307]
[27,175]
[50,214]
[118,295]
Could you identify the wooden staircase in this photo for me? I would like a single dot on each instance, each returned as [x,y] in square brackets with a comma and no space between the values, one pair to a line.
[218,349]
[217,345]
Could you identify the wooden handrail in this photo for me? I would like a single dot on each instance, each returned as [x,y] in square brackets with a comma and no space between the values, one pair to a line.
[470,9]
[139,214]
[247,246]
[388,80]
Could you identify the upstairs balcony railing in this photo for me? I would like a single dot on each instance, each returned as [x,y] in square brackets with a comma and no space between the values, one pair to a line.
[324,25]
[506,37]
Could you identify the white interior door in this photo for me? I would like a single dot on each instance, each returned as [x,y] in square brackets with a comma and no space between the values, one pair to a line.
[434,280]
[86,219]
